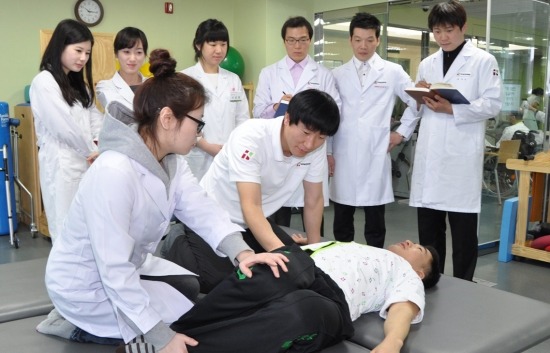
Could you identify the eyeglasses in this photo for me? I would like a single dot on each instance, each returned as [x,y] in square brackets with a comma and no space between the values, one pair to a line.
[293,41]
[200,123]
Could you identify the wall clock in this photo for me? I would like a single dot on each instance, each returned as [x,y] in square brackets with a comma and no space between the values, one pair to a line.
[89,12]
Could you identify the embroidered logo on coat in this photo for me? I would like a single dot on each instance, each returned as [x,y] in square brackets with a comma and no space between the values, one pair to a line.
[247,155]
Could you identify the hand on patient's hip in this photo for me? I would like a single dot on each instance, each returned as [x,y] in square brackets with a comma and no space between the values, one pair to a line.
[273,260]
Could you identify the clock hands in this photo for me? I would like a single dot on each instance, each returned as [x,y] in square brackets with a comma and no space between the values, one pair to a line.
[90,11]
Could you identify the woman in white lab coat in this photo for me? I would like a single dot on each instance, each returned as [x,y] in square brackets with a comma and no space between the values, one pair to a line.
[130,47]
[66,120]
[95,272]
[227,107]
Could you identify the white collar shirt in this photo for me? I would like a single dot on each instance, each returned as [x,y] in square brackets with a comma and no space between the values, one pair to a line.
[254,154]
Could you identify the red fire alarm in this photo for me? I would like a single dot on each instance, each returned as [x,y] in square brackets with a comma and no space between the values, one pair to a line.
[168,7]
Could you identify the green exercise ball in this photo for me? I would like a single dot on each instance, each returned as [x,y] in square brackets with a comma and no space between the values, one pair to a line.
[234,62]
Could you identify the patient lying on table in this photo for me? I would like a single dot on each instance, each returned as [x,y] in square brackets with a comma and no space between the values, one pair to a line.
[390,281]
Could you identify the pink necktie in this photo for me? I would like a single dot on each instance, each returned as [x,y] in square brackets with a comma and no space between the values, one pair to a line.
[296,72]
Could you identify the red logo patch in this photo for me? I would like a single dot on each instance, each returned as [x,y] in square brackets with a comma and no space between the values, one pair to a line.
[247,155]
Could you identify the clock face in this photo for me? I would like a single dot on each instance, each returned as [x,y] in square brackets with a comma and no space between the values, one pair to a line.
[89,12]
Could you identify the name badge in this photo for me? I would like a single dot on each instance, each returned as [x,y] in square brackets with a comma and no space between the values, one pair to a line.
[235,96]
[463,76]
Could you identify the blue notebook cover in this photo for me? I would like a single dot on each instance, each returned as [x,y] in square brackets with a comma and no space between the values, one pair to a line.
[281,110]
[449,93]
[452,95]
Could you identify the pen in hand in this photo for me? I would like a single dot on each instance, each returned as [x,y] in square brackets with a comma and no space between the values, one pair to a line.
[286,97]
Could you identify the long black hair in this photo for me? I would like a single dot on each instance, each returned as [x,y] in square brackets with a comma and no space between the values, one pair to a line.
[73,85]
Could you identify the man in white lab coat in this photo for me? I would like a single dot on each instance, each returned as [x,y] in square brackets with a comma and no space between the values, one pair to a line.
[448,161]
[360,161]
[296,72]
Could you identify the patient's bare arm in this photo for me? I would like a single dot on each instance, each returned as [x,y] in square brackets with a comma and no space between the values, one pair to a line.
[396,327]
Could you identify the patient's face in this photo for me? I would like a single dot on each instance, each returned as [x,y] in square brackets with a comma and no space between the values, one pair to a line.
[418,256]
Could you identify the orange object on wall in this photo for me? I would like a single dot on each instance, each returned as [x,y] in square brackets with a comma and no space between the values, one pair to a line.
[537,196]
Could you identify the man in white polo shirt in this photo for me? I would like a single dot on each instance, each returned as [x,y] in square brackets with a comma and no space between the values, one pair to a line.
[266,160]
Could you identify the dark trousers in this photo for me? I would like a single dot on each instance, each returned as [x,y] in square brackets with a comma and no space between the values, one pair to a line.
[250,239]
[81,336]
[283,215]
[302,311]
[432,231]
[375,224]
[189,250]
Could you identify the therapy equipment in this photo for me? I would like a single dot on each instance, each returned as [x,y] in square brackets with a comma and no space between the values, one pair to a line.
[8,220]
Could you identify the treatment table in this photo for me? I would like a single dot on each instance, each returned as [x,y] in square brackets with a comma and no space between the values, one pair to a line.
[460,316]
[467,317]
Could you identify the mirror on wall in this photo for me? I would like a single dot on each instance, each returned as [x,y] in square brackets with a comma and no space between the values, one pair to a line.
[516,35]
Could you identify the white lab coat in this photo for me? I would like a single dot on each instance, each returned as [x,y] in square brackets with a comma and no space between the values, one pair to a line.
[227,108]
[276,79]
[116,89]
[448,159]
[65,139]
[93,271]
[362,175]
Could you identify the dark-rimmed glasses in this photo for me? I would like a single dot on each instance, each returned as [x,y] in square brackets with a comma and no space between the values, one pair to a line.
[200,123]
[293,41]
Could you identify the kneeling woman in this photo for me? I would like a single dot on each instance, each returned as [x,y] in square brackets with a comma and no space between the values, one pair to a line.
[101,276]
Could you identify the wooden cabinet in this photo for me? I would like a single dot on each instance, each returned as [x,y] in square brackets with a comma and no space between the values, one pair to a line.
[27,158]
